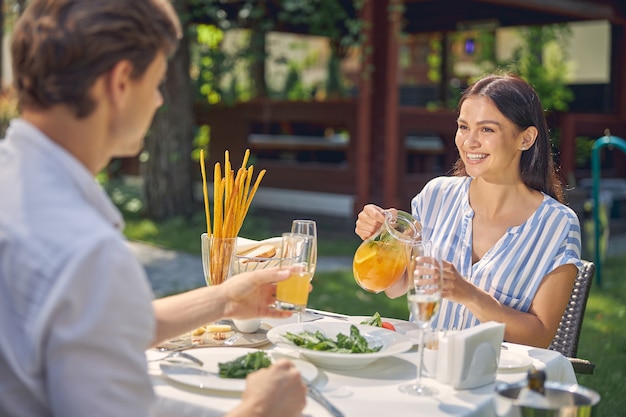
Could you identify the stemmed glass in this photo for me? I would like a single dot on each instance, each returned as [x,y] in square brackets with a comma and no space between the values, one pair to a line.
[307,227]
[425,273]
[293,293]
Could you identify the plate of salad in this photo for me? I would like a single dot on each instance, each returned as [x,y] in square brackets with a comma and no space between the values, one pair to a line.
[339,345]
[225,369]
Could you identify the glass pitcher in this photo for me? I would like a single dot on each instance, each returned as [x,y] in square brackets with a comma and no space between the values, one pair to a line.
[380,260]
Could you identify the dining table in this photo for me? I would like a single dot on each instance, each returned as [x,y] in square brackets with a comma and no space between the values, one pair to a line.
[368,391]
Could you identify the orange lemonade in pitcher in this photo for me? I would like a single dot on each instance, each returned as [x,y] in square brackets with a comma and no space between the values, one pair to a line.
[381,260]
[378,265]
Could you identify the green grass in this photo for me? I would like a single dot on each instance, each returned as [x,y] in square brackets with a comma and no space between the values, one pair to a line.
[338,292]
[603,339]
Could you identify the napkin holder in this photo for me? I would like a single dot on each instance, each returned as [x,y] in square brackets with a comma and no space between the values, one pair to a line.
[470,356]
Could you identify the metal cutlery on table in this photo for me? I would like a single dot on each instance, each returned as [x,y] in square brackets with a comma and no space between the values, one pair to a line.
[177,354]
[326,314]
[320,398]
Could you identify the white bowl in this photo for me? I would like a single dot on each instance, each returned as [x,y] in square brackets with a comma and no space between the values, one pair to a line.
[392,343]
[247,325]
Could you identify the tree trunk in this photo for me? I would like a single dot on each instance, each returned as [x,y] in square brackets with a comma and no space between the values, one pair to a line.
[167,171]
[257,63]
[1,45]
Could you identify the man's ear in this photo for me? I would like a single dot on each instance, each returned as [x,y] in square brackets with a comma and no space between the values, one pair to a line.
[118,83]
[529,135]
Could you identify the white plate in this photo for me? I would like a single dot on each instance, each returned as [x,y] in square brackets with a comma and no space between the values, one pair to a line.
[211,357]
[393,343]
[513,362]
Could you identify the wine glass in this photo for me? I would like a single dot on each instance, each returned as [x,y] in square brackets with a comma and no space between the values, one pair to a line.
[292,294]
[425,272]
[307,227]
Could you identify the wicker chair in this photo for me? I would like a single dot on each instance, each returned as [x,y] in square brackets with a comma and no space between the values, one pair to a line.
[567,335]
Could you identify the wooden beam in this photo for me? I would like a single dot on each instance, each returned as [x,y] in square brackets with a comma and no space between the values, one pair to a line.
[362,147]
[579,9]
[391,141]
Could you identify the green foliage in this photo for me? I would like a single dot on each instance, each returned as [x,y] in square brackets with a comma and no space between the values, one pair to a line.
[213,73]
[434,60]
[218,72]
[545,71]
[8,110]
[540,59]
[584,145]
[294,88]
[325,18]
[201,141]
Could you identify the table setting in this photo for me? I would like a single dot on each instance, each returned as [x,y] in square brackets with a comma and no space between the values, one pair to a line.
[370,389]
[352,365]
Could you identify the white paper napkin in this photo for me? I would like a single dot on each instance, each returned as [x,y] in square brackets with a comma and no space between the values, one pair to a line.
[472,355]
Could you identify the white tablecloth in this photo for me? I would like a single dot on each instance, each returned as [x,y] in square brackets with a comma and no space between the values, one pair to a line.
[372,391]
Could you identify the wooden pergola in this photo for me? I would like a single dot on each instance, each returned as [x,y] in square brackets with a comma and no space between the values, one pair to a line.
[376,169]
[377,149]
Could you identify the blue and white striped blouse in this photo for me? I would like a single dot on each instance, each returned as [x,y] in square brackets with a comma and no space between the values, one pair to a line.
[514,267]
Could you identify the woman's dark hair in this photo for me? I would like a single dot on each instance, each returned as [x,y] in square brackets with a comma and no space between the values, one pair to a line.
[519,103]
[60,47]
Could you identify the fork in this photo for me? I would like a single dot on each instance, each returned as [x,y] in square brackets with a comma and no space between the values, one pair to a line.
[231,340]
[321,398]
[178,353]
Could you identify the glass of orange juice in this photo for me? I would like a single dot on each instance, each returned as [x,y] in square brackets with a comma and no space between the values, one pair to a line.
[297,250]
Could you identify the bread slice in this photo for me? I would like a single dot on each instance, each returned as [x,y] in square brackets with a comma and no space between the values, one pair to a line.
[263,251]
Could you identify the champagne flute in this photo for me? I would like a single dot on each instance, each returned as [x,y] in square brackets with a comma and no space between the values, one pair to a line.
[425,272]
[307,227]
[293,293]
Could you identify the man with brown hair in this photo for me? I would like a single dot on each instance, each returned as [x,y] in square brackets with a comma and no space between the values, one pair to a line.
[75,306]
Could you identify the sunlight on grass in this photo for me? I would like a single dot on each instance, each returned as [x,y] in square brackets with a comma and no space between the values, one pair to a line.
[603,339]
[337,291]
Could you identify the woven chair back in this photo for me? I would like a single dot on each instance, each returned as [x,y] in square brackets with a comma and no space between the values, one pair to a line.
[567,335]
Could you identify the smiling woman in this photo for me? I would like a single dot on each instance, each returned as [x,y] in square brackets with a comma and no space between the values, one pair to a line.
[511,248]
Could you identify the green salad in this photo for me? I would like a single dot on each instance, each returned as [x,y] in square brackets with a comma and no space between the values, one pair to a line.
[354,343]
[375,320]
[242,366]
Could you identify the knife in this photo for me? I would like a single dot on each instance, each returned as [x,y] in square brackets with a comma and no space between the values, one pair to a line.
[181,369]
[320,398]
[327,314]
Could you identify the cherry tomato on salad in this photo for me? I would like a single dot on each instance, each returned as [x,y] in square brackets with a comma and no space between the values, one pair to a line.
[387,325]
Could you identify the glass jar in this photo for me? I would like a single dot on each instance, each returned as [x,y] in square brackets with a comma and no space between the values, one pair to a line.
[380,261]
